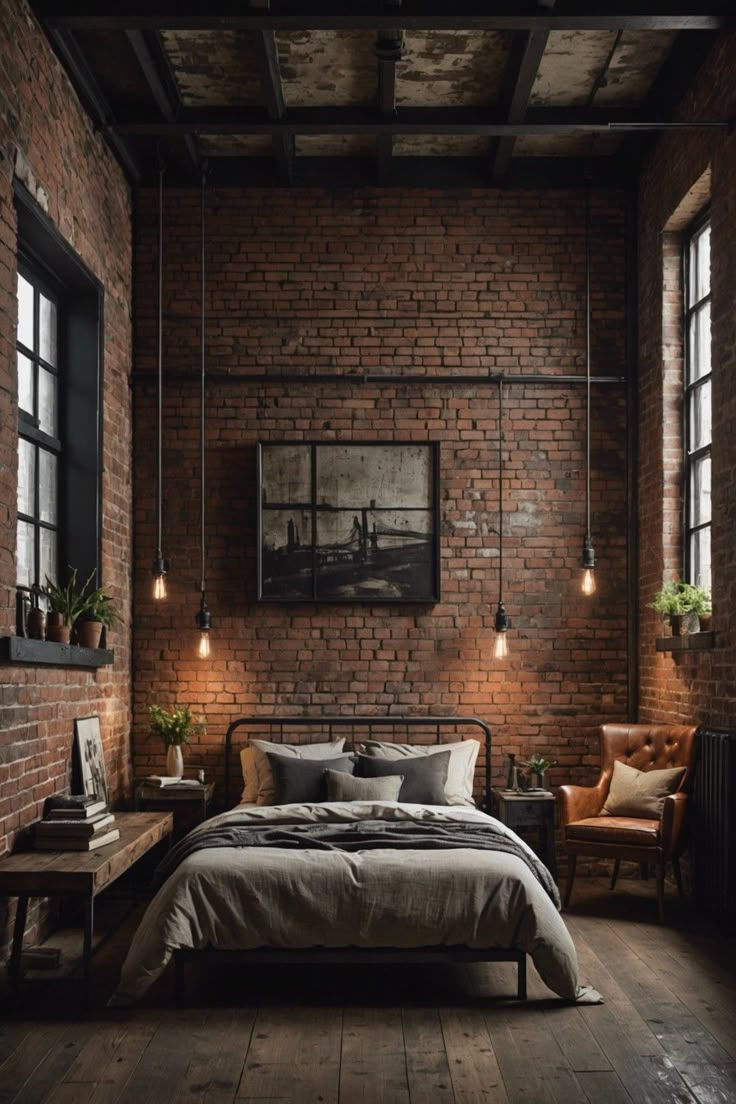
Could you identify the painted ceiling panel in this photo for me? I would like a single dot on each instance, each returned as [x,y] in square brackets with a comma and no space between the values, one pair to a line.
[440,145]
[335,145]
[214,67]
[321,68]
[451,68]
[237,145]
[634,67]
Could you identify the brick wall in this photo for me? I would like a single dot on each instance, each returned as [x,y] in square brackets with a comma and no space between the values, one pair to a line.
[49,143]
[390,281]
[685,167]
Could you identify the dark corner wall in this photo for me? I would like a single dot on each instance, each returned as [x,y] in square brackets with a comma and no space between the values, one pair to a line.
[49,144]
[689,170]
[390,281]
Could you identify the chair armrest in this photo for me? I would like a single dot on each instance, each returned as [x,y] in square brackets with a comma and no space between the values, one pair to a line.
[580,802]
[672,824]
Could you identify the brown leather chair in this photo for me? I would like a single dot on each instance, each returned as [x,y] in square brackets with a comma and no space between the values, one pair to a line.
[586,832]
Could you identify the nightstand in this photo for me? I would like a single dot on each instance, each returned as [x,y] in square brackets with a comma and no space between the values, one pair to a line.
[189,804]
[521,811]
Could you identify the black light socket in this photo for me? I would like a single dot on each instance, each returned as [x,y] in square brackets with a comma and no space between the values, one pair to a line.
[588,553]
[203,618]
[502,622]
[160,566]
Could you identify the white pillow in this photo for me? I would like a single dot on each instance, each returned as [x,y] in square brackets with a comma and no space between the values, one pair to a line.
[460,772]
[257,773]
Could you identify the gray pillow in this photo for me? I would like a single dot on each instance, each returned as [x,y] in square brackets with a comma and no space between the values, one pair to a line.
[424,779]
[298,780]
[641,794]
[345,787]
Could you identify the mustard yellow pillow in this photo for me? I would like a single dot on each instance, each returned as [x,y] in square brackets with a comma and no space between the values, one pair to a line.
[636,793]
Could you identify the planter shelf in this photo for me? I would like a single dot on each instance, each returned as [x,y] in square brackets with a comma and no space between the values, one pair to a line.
[688,642]
[22,649]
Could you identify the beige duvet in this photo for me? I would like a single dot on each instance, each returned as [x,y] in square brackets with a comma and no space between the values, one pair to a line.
[251,897]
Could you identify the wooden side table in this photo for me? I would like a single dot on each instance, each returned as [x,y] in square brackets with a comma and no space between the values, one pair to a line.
[82,874]
[521,811]
[190,805]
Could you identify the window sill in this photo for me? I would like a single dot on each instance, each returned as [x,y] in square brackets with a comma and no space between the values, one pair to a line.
[690,642]
[21,649]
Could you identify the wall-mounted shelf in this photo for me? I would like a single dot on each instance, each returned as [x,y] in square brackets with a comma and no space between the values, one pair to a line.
[690,642]
[21,649]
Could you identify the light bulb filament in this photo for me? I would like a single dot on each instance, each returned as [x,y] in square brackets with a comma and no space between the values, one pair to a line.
[159,587]
[588,584]
[204,645]
[501,646]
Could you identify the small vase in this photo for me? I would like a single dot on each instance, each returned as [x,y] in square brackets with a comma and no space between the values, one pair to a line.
[174,761]
[541,780]
[704,621]
[511,777]
[88,633]
[36,624]
[676,623]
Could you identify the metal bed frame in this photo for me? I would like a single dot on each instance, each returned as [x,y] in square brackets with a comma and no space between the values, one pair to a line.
[277,726]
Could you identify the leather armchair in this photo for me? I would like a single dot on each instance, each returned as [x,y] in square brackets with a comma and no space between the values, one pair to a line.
[648,842]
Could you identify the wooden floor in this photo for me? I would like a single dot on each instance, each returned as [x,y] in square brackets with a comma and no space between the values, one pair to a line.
[413,1035]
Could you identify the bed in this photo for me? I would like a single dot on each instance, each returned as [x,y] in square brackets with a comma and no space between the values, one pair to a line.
[315,881]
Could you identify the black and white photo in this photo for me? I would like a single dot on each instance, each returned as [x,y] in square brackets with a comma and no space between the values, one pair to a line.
[90,757]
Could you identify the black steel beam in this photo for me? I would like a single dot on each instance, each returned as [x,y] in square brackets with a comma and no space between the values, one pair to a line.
[523,66]
[409,379]
[389,49]
[270,77]
[414,15]
[151,57]
[420,120]
[92,97]
[535,173]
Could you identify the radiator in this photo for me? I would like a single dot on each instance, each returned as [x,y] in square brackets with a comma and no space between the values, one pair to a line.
[714,824]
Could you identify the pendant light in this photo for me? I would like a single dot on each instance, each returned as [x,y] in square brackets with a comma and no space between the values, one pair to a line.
[203,618]
[501,624]
[160,565]
[588,557]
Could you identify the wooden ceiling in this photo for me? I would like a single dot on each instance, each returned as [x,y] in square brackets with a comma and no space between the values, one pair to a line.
[390,93]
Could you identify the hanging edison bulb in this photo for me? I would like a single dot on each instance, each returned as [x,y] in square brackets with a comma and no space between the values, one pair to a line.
[501,627]
[588,583]
[158,571]
[204,624]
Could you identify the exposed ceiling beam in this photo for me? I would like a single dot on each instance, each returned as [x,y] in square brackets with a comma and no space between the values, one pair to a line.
[414,15]
[389,50]
[420,120]
[536,173]
[523,65]
[93,97]
[151,56]
[270,76]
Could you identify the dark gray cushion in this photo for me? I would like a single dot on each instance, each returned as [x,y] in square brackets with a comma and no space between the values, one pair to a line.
[304,779]
[424,779]
[346,787]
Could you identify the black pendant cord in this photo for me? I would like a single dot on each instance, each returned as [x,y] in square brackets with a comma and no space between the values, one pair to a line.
[202,391]
[500,493]
[587,364]
[159,487]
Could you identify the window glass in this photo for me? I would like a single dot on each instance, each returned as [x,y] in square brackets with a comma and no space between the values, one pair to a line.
[47,486]
[25,554]
[26,477]
[25,312]
[47,329]
[697,421]
[700,416]
[25,384]
[47,565]
[47,420]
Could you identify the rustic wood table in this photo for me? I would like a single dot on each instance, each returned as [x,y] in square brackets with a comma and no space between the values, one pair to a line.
[81,874]
[521,811]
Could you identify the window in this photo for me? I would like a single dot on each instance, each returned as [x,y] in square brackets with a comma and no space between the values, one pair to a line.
[39,446]
[697,405]
[59,363]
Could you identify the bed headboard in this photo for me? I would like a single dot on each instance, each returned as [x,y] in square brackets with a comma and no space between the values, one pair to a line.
[392,729]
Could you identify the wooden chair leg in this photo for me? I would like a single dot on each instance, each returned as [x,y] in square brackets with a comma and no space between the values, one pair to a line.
[660,892]
[678,877]
[614,876]
[571,862]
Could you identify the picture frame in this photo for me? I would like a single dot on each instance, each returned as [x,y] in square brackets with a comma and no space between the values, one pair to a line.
[89,757]
[348,522]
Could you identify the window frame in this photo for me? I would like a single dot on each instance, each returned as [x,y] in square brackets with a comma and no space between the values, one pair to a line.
[29,428]
[690,310]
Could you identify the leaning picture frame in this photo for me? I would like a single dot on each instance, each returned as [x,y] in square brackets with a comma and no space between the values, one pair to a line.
[90,758]
[348,522]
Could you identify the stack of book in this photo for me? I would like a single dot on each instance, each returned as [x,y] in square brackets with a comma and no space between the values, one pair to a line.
[154,785]
[75,822]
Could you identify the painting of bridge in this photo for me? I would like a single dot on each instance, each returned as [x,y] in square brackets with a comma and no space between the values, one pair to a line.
[348,522]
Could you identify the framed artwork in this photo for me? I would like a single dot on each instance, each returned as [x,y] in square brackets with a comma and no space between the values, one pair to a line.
[89,756]
[351,522]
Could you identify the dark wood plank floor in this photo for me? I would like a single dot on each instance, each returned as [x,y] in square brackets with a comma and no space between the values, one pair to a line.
[409,1035]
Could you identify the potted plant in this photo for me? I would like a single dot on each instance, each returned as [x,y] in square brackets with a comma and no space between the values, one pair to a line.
[174,727]
[538,766]
[100,613]
[678,599]
[701,605]
[66,604]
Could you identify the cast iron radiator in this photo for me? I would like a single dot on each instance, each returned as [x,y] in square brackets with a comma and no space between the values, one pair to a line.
[714,824]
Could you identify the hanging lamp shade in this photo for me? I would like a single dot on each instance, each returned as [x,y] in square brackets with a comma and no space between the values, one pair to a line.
[203,618]
[160,567]
[501,622]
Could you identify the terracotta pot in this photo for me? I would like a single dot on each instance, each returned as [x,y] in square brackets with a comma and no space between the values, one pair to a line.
[175,761]
[36,624]
[704,621]
[59,634]
[88,633]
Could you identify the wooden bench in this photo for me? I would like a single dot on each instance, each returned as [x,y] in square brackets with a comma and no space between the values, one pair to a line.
[82,874]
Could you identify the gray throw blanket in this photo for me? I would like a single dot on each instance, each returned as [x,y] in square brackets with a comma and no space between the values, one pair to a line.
[364,835]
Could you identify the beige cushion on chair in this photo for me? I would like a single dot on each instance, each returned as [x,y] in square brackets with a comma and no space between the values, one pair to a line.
[636,793]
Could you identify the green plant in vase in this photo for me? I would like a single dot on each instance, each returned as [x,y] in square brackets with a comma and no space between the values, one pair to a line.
[174,728]
[100,614]
[66,604]
[538,765]
[677,600]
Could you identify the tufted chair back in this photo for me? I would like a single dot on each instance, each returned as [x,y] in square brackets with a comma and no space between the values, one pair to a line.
[646,747]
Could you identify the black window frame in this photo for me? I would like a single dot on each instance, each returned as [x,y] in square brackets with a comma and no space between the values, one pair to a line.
[42,250]
[692,456]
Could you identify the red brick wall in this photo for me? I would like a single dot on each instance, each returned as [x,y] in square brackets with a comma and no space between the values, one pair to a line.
[698,686]
[50,143]
[390,281]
